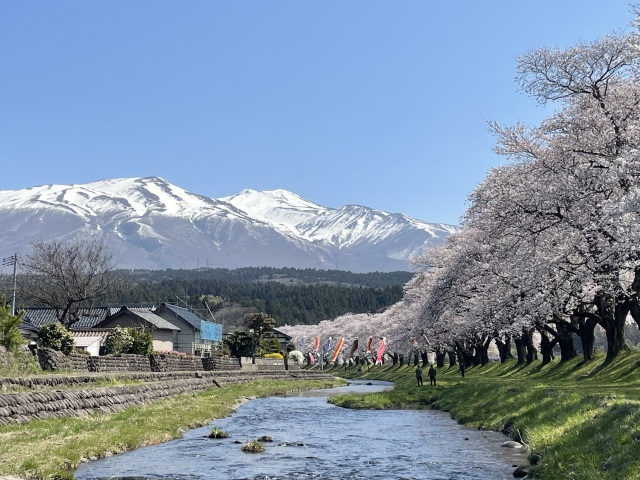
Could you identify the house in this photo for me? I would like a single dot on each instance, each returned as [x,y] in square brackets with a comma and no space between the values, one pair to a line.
[164,333]
[28,331]
[196,336]
[283,338]
[173,328]
[90,340]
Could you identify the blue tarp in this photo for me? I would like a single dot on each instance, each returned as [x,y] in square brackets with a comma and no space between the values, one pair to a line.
[211,331]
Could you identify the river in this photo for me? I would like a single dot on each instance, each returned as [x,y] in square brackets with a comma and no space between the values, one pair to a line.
[313,439]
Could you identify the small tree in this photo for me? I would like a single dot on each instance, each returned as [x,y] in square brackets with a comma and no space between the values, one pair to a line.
[269,344]
[239,344]
[55,335]
[66,276]
[10,336]
[258,323]
[142,341]
[118,341]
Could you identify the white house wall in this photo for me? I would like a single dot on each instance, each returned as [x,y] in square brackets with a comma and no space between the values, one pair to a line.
[162,341]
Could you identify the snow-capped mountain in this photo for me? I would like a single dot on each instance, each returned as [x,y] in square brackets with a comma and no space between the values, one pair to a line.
[150,223]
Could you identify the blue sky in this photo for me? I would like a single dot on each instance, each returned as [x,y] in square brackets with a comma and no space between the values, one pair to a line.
[376,103]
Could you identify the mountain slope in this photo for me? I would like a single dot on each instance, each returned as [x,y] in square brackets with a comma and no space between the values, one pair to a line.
[150,223]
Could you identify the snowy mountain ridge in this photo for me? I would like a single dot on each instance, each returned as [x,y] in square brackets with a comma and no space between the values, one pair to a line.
[150,223]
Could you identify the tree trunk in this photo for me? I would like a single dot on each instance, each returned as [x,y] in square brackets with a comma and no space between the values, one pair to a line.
[565,342]
[425,358]
[416,359]
[527,338]
[401,358]
[585,326]
[394,359]
[546,346]
[504,348]
[452,358]
[440,357]
[520,349]
[482,351]
[613,313]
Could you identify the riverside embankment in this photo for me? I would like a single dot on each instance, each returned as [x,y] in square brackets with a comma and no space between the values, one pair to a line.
[53,426]
[578,420]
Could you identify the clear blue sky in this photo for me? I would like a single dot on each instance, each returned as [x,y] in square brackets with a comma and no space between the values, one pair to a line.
[377,103]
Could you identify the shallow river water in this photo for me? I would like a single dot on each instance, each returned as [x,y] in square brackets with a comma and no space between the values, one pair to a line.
[313,439]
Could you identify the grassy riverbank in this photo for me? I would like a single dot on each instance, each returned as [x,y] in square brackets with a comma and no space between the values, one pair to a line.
[579,421]
[53,448]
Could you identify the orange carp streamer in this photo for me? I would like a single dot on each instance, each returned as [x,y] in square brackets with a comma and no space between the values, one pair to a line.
[381,349]
[317,346]
[338,348]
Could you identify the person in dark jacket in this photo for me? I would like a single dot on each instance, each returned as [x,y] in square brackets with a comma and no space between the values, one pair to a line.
[432,375]
[419,375]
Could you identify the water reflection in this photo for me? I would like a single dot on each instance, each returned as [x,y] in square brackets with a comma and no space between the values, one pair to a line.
[315,440]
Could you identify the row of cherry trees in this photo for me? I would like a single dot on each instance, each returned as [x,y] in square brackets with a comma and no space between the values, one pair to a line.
[550,241]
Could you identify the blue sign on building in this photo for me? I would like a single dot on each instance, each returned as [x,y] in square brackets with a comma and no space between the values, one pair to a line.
[211,331]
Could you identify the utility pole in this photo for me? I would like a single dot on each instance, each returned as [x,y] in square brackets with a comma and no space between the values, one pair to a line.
[7,261]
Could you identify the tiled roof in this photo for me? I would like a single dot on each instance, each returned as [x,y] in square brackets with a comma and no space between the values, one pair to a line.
[87,341]
[186,315]
[102,332]
[149,308]
[25,325]
[88,317]
[157,321]
[146,316]
[40,316]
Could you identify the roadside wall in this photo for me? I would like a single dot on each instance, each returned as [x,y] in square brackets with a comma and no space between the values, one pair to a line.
[64,396]
[52,360]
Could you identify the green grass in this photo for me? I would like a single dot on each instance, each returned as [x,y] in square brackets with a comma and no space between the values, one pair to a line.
[217,432]
[581,419]
[18,364]
[55,447]
[254,446]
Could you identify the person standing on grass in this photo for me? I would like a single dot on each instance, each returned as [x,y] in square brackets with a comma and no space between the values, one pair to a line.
[432,375]
[462,368]
[419,375]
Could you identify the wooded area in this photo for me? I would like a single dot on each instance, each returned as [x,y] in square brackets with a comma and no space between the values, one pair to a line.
[289,295]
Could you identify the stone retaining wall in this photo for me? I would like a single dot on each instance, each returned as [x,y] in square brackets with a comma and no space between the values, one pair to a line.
[221,363]
[79,361]
[122,363]
[52,360]
[175,363]
[77,402]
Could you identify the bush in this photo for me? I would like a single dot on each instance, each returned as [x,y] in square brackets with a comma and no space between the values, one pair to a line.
[268,344]
[274,355]
[118,341]
[297,356]
[142,341]
[56,336]
[18,364]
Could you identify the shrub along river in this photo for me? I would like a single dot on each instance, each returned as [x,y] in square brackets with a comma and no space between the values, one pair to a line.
[313,439]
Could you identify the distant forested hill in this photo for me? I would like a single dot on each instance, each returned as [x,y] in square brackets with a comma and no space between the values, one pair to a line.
[291,296]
